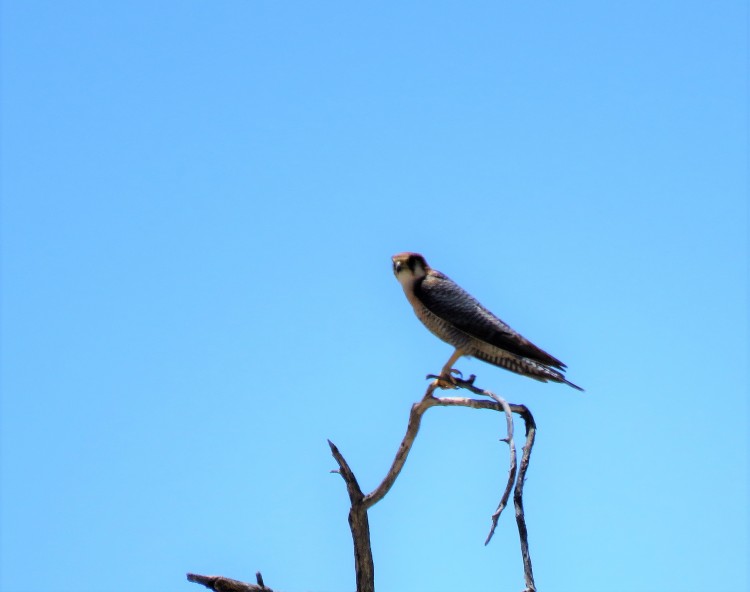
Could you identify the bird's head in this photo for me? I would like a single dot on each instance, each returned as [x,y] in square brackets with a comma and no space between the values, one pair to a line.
[408,268]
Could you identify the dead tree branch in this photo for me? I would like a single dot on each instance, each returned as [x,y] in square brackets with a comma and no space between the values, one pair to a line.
[415,419]
[511,471]
[359,524]
[360,503]
[523,534]
[222,584]
[518,499]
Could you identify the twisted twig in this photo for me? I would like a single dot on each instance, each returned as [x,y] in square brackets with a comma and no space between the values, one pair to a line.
[363,554]
[360,503]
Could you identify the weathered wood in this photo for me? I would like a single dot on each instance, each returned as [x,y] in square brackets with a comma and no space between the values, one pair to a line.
[360,503]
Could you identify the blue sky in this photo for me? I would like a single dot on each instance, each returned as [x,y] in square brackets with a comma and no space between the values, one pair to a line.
[199,205]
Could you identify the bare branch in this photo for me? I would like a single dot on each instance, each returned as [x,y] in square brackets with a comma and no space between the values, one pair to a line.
[222,584]
[511,471]
[518,499]
[523,536]
[352,487]
[415,420]
[360,503]
[359,525]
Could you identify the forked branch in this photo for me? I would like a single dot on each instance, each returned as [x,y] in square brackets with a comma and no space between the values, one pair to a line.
[360,503]
[363,553]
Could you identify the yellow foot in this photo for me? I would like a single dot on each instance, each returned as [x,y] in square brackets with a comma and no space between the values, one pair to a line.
[447,380]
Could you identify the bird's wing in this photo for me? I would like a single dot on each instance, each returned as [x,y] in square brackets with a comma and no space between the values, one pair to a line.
[446,299]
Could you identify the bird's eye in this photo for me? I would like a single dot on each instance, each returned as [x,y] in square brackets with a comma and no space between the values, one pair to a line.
[396,266]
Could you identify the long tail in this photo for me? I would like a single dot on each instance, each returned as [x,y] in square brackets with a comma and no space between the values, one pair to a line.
[575,386]
[524,366]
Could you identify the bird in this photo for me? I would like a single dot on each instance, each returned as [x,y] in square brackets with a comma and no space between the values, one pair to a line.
[455,316]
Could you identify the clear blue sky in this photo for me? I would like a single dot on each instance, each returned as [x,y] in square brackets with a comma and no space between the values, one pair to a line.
[199,205]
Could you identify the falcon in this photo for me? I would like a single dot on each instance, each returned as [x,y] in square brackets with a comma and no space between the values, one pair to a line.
[456,317]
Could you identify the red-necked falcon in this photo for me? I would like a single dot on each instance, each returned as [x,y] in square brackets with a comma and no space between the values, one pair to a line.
[456,317]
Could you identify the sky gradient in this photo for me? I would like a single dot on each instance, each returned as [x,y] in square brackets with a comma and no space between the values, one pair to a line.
[199,205]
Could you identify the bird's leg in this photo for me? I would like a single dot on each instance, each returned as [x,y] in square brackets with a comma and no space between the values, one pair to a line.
[446,379]
[448,370]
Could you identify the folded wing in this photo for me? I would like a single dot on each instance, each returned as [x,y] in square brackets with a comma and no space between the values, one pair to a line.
[446,299]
